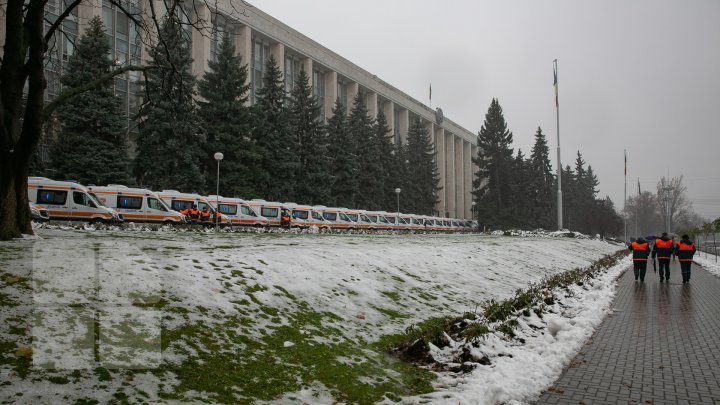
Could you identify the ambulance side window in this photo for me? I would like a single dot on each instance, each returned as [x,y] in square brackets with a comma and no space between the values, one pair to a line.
[247,211]
[131,203]
[80,198]
[54,197]
[154,203]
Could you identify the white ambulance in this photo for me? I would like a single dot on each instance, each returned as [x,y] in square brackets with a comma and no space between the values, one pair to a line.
[238,211]
[270,210]
[180,201]
[305,216]
[69,201]
[336,217]
[136,204]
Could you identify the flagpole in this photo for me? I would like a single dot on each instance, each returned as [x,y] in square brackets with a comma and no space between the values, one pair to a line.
[625,199]
[636,209]
[559,163]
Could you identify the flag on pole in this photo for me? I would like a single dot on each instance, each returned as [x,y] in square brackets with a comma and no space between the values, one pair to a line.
[430,91]
[639,188]
[626,163]
[555,83]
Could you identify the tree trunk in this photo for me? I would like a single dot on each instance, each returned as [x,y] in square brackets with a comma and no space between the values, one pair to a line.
[14,211]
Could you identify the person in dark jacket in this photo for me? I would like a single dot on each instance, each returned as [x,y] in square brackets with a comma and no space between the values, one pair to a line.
[641,251]
[685,250]
[662,249]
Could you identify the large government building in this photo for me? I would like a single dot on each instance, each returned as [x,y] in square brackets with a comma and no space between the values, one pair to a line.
[256,36]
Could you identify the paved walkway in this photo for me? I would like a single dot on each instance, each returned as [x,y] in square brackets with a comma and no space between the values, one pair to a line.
[660,345]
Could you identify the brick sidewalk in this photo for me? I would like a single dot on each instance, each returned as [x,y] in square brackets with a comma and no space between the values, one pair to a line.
[660,345]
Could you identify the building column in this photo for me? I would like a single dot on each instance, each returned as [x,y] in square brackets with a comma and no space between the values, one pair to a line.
[468,174]
[200,40]
[306,64]
[404,123]
[278,52]
[450,173]
[459,180]
[372,104]
[330,92]
[243,46]
[389,111]
[439,137]
[352,91]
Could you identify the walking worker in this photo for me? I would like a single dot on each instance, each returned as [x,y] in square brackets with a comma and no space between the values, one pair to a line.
[641,251]
[285,219]
[662,249]
[685,251]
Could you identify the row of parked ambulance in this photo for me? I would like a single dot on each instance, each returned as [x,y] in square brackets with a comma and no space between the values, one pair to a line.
[70,201]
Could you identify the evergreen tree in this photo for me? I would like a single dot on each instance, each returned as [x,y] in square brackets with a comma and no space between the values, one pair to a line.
[313,175]
[91,146]
[272,134]
[521,199]
[400,178]
[170,146]
[568,195]
[385,151]
[343,159]
[541,189]
[423,177]
[494,159]
[227,122]
[369,174]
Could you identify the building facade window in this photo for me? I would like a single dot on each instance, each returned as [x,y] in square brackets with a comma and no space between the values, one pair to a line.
[259,59]
[318,80]
[123,36]
[221,30]
[292,68]
[61,46]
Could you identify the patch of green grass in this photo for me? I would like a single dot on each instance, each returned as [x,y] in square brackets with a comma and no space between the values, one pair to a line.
[234,368]
[391,313]
[392,295]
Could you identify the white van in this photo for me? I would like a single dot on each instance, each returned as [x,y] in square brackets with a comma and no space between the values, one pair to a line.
[336,217]
[237,211]
[379,220]
[181,201]
[270,210]
[305,216]
[136,204]
[70,201]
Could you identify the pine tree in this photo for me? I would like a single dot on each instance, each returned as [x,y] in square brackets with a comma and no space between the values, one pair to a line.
[343,159]
[521,200]
[385,151]
[272,134]
[541,189]
[494,159]
[569,195]
[91,146]
[313,174]
[227,122]
[423,176]
[400,178]
[170,146]
[369,174]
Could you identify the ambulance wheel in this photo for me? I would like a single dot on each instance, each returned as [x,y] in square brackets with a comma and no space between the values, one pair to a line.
[169,223]
[97,221]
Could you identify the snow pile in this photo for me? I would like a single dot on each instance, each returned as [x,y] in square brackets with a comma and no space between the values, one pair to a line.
[540,233]
[709,262]
[517,370]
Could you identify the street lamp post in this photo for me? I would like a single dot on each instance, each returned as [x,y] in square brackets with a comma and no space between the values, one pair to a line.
[397,192]
[473,210]
[218,156]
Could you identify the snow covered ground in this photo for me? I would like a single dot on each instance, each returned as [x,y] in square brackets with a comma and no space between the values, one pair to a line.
[708,261]
[183,316]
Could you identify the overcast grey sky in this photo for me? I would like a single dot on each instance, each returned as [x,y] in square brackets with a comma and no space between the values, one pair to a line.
[637,75]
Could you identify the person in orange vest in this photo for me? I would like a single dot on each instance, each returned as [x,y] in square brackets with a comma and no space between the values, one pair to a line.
[662,249]
[184,212]
[685,250]
[641,251]
[205,217]
[285,220]
[193,214]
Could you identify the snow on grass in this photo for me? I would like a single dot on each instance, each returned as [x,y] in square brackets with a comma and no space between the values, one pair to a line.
[708,261]
[188,316]
[524,366]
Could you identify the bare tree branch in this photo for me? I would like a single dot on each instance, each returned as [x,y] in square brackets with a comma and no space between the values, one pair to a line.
[70,93]
[68,10]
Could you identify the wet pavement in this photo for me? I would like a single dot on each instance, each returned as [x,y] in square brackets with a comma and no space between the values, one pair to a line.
[660,345]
